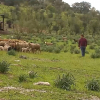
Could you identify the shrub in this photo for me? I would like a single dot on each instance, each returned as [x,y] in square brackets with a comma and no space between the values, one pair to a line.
[92,46]
[48,37]
[4,66]
[65,82]
[98,42]
[22,78]
[56,50]
[90,41]
[97,50]
[86,52]
[76,51]
[93,85]
[32,74]
[72,48]
[95,55]
[65,50]
[61,47]
[49,48]
[12,52]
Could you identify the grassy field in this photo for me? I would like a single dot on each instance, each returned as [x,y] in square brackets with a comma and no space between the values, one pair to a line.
[48,66]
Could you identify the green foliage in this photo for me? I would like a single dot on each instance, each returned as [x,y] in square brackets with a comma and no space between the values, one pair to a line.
[65,82]
[65,50]
[98,42]
[4,66]
[11,52]
[48,37]
[97,50]
[86,52]
[82,7]
[90,41]
[48,20]
[76,51]
[32,74]
[22,78]
[49,48]
[56,50]
[92,46]
[93,85]
[96,54]
[72,48]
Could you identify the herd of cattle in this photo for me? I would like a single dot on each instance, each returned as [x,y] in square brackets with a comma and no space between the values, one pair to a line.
[19,45]
[23,46]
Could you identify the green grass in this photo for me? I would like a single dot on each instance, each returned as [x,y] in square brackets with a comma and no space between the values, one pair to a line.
[48,66]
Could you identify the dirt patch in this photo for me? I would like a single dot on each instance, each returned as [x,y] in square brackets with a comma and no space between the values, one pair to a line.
[4,32]
[94,98]
[21,90]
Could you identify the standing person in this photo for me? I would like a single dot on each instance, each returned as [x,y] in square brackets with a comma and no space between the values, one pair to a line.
[82,44]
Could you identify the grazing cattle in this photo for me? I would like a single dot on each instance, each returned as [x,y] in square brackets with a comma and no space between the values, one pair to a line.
[1,48]
[13,45]
[48,43]
[34,47]
[21,45]
[2,43]
[26,49]
[7,47]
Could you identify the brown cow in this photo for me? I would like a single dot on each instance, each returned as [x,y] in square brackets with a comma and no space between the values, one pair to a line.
[48,43]
[34,47]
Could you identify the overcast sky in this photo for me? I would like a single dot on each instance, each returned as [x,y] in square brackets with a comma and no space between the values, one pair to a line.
[94,3]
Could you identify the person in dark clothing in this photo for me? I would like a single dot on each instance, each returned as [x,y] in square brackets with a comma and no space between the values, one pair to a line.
[82,44]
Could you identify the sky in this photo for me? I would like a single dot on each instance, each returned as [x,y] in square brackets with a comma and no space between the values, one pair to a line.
[94,3]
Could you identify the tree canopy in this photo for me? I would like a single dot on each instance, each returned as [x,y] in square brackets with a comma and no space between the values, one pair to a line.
[51,16]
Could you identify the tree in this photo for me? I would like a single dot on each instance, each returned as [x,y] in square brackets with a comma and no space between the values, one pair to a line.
[94,27]
[82,7]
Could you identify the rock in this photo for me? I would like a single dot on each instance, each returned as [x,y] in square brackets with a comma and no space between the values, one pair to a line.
[23,57]
[17,60]
[42,83]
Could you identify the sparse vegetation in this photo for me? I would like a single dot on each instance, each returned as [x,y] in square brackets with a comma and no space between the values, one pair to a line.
[11,52]
[4,66]
[22,78]
[65,82]
[93,85]
[32,74]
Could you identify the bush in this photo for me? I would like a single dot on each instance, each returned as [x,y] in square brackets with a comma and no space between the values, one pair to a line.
[61,47]
[22,78]
[98,42]
[76,51]
[97,50]
[49,48]
[95,55]
[48,37]
[32,74]
[93,85]
[92,46]
[90,41]
[4,66]
[12,52]
[56,50]
[65,50]
[65,82]
[86,52]
[72,48]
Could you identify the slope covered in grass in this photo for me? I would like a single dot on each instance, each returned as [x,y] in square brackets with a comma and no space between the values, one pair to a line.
[48,66]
